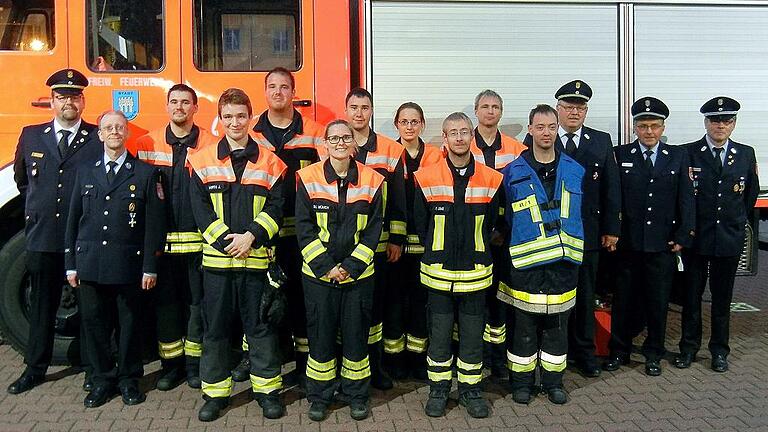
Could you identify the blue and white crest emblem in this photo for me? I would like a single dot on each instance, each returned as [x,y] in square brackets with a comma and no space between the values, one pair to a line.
[126,101]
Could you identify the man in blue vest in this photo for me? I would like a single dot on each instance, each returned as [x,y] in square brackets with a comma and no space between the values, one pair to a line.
[543,188]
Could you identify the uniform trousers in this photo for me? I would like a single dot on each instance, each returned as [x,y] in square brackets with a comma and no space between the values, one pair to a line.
[289,258]
[643,284]
[178,294]
[227,295]
[497,324]
[444,309]
[46,274]
[383,279]
[721,272]
[108,310]
[405,314]
[581,327]
[334,309]
[539,339]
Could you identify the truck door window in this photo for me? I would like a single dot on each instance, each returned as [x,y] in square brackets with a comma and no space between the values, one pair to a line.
[26,25]
[247,36]
[125,36]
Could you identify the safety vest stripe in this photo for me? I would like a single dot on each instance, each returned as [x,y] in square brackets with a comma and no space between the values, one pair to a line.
[438,233]
[397,227]
[214,173]
[215,230]
[260,253]
[537,244]
[218,389]
[479,242]
[307,270]
[438,193]
[193,349]
[363,253]
[537,257]
[444,364]
[258,204]
[269,224]
[183,237]
[470,379]
[362,222]
[479,195]
[288,228]
[413,239]
[543,299]
[362,193]
[317,190]
[260,140]
[495,335]
[313,250]
[436,270]
[155,157]
[565,202]
[572,241]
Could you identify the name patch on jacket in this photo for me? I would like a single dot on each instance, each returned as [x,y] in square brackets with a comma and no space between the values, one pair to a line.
[320,207]
[37,155]
[216,187]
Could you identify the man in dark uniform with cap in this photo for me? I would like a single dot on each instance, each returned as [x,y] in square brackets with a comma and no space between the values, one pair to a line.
[657,222]
[47,158]
[725,181]
[601,203]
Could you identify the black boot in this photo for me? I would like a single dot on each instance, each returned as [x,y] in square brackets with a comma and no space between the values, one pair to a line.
[172,373]
[212,408]
[193,372]
[242,372]
[379,379]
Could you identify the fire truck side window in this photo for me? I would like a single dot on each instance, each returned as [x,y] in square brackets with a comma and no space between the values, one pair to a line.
[247,36]
[125,35]
[26,25]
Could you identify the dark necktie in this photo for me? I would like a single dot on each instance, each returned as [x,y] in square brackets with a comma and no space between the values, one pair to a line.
[570,144]
[63,142]
[718,161]
[111,165]
[648,160]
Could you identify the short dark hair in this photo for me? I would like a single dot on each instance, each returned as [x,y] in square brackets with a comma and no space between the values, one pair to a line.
[235,96]
[409,105]
[358,92]
[541,109]
[182,88]
[281,71]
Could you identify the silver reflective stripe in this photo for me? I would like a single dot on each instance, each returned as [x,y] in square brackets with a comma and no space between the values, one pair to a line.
[432,191]
[504,160]
[363,191]
[303,140]
[381,160]
[479,192]
[217,171]
[155,156]
[251,174]
[264,143]
[479,157]
[315,187]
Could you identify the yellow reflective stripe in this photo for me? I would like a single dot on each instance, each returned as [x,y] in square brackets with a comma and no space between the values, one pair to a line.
[545,299]
[218,389]
[313,250]
[501,211]
[183,237]
[415,344]
[468,366]
[355,370]
[321,371]
[217,198]
[448,363]
[458,287]
[305,163]
[394,346]
[193,349]
[171,349]
[257,259]
[565,202]
[215,230]
[521,364]
[538,243]
[552,367]
[413,239]
[439,376]
[571,241]
[363,253]
[301,344]
[307,270]
[437,270]
[397,227]
[552,358]
[266,385]
[438,242]
[183,248]
[362,222]
[384,188]
[479,243]
[258,204]
[495,335]
[322,222]
[244,344]
[469,378]
[266,222]
[375,333]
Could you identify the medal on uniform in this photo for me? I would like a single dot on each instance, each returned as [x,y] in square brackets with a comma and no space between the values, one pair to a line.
[132,188]
[735,188]
[742,186]
[132,222]
[34,169]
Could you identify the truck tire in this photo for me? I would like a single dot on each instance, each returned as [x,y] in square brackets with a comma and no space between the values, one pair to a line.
[14,307]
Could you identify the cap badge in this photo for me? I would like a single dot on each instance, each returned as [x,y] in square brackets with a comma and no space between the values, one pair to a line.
[70,74]
[578,84]
[132,187]
[647,102]
[720,102]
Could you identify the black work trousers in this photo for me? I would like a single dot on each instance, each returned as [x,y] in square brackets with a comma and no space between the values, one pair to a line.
[581,328]
[445,308]
[108,309]
[405,313]
[289,258]
[334,309]
[643,285]
[497,324]
[539,339]
[227,294]
[721,272]
[47,277]
[178,294]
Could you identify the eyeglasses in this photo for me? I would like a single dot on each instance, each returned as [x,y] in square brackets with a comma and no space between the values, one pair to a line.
[64,98]
[334,139]
[643,127]
[110,128]
[453,133]
[406,123]
[571,108]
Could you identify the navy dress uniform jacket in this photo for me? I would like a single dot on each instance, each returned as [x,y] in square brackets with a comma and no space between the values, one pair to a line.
[724,201]
[46,180]
[601,191]
[657,206]
[115,231]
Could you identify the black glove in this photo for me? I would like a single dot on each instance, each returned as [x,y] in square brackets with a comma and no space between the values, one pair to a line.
[273,300]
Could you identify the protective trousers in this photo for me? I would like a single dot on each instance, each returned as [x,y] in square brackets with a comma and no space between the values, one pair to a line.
[442,308]
[334,309]
[227,294]
[405,314]
[496,321]
[178,294]
[539,339]
[581,327]
[382,275]
[289,258]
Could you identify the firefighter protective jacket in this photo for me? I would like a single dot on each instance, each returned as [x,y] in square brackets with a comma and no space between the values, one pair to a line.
[233,194]
[505,150]
[428,155]
[455,216]
[338,221]
[385,156]
[169,154]
[303,146]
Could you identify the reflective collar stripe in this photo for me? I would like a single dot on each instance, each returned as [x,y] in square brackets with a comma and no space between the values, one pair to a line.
[209,174]
[438,193]
[362,193]
[258,177]
[155,157]
[317,190]
[479,195]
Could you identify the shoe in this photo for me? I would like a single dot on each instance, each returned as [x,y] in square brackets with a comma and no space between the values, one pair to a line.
[99,396]
[522,395]
[684,360]
[25,383]
[588,368]
[438,399]
[132,395]
[318,411]
[87,383]
[652,367]
[271,406]
[476,405]
[242,372]
[614,362]
[381,381]
[170,379]
[557,395]
[193,372]
[211,410]
[719,363]
[194,382]
[359,410]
